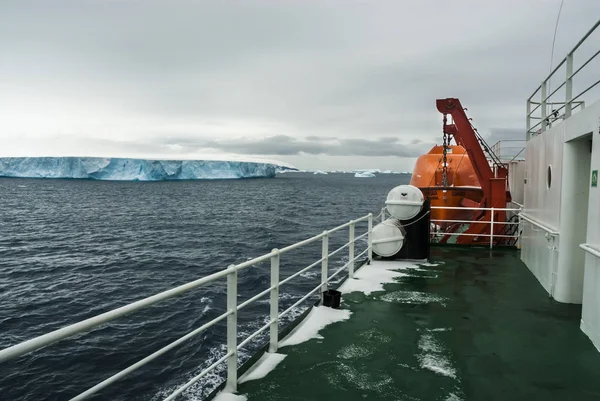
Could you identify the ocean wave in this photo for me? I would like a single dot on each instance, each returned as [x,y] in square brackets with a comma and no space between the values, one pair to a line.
[73,249]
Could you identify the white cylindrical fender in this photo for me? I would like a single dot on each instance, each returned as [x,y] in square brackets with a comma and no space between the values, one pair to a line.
[388,238]
[404,202]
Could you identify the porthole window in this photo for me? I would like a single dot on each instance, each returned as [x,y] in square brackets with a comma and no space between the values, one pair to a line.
[549,177]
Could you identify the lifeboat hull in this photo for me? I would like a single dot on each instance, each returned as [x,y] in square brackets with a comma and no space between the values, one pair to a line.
[452,197]
[461,188]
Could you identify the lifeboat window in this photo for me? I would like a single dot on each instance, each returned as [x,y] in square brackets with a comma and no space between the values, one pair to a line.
[549,177]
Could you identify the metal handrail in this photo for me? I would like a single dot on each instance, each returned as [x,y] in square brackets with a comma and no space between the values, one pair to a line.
[517,155]
[570,102]
[590,249]
[583,65]
[592,29]
[498,209]
[554,91]
[199,376]
[151,357]
[587,89]
[88,324]
[536,223]
[232,308]
[491,222]
[471,221]
[506,148]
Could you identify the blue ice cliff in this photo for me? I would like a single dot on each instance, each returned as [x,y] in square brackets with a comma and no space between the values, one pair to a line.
[121,169]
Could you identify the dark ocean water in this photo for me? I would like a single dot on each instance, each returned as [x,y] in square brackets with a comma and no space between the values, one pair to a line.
[70,249]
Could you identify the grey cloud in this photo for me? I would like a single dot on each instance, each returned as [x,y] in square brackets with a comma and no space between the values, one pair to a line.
[286,145]
[320,138]
[503,134]
[388,139]
[329,72]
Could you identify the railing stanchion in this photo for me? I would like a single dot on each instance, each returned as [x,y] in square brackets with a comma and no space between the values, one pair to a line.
[351,250]
[232,330]
[370,238]
[324,264]
[492,229]
[569,86]
[274,304]
[543,106]
[520,231]
[528,121]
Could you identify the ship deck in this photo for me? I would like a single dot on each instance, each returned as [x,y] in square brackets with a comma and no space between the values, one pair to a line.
[478,326]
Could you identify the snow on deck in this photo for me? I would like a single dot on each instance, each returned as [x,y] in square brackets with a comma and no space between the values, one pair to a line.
[224,396]
[318,318]
[368,279]
[262,367]
[454,332]
[371,278]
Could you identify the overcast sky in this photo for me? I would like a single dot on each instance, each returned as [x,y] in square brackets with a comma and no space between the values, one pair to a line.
[318,84]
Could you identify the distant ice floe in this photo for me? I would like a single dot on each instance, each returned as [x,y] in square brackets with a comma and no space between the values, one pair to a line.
[124,169]
[373,171]
[364,175]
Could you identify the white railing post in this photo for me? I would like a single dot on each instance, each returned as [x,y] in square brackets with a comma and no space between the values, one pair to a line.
[543,106]
[569,86]
[382,214]
[274,301]
[370,238]
[324,263]
[351,250]
[232,330]
[528,121]
[492,229]
[519,231]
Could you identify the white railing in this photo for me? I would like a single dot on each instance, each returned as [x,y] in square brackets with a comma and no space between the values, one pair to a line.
[515,203]
[509,149]
[491,235]
[491,222]
[231,357]
[569,103]
[590,249]
[551,237]
[533,221]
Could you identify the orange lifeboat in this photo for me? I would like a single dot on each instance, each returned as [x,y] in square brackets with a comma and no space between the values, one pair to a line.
[462,188]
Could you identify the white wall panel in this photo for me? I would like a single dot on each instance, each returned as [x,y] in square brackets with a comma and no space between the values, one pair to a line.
[590,314]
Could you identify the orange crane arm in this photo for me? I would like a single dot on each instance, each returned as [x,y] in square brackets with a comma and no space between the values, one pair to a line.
[493,182]
[463,133]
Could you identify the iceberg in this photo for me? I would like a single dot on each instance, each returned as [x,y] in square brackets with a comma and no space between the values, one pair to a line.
[124,169]
[366,174]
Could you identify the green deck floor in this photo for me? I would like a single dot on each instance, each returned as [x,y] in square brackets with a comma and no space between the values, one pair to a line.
[482,328]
